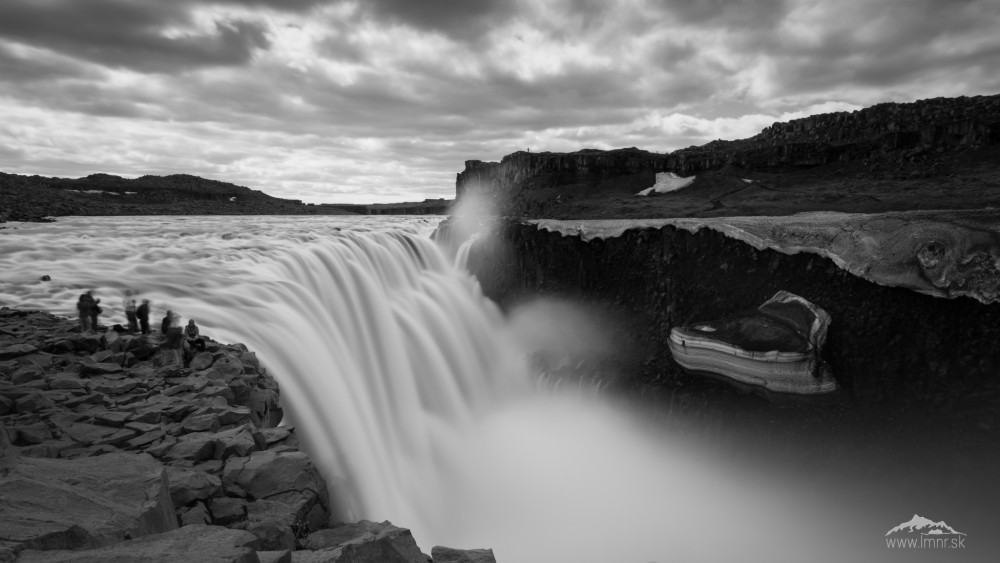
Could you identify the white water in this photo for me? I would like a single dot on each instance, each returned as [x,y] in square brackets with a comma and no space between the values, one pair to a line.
[407,388]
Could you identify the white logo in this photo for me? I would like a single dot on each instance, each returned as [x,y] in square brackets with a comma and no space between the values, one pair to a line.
[924,533]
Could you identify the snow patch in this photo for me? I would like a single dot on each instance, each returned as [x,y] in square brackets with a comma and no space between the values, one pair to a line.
[667,182]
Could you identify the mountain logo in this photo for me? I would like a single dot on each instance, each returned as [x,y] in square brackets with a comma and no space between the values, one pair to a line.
[924,533]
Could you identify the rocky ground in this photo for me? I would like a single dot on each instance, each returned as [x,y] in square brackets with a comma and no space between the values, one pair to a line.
[116,446]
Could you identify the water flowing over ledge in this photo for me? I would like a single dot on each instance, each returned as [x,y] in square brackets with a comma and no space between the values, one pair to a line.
[940,253]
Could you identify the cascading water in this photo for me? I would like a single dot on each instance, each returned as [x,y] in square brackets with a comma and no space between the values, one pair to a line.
[408,390]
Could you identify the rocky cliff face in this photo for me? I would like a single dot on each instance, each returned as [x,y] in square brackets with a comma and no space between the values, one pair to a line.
[885,344]
[886,142]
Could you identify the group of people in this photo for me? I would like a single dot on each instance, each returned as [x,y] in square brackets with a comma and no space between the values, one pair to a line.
[89,310]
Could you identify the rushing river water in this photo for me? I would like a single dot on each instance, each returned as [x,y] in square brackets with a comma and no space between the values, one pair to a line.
[408,389]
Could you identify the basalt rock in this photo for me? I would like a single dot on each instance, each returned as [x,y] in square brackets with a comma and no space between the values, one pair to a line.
[885,343]
[102,462]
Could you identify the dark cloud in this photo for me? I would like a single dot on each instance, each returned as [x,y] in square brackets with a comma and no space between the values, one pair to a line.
[120,33]
[465,20]
[740,15]
[889,43]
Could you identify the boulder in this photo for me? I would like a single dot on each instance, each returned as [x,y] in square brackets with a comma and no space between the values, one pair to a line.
[267,473]
[190,544]
[272,536]
[197,514]
[85,502]
[90,368]
[363,542]
[201,361]
[89,342]
[187,485]
[15,350]
[141,348]
[227,510]
[442,554]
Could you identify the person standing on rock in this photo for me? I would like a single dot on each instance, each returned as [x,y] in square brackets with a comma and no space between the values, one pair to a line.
[130,311]
[142,313]
[83,307]
[95,311]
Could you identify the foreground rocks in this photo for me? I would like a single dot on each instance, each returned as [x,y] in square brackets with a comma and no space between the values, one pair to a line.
[114,447]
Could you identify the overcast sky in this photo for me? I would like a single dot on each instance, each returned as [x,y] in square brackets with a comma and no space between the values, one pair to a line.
[384,100]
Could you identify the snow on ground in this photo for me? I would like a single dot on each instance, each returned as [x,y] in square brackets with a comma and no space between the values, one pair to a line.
[667,182]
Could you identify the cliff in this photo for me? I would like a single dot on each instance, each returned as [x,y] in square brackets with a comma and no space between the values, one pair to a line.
[887,157]
[885,344]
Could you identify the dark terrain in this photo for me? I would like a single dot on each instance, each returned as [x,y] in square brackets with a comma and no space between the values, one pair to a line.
[33,198]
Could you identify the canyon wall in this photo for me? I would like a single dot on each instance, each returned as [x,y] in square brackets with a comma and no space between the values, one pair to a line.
[885,344]
[884,139]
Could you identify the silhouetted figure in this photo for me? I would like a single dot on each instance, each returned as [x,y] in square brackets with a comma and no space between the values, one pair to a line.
[142,313]
[130,311]
[165,324]
[84,307]
[194,340]
[95,311]
[172,331]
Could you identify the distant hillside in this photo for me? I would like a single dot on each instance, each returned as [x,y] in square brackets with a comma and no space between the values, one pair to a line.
[32,198]
[941,153]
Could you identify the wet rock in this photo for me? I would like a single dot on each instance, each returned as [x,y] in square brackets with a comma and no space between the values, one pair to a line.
[190,544]
[89,342]
[85,502]
[442,554]
[141,348]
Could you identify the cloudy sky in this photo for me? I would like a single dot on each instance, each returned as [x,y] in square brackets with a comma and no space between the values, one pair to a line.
[384,100]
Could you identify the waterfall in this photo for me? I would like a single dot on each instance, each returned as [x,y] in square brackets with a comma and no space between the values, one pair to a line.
[409,391]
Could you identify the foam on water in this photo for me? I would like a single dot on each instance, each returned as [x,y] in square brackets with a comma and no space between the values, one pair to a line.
[410,392]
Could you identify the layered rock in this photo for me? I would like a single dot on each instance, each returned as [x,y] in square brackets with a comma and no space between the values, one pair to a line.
[893,143]
[885,343]
[775,348]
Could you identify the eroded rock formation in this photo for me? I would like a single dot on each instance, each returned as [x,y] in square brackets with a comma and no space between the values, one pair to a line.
[884,343]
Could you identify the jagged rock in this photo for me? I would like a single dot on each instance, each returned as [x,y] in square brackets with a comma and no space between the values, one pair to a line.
[85,502]
[197,514]
[267,473]
[141,348]
[89,342]
[190,544]
[16,350]
[89,367]
[441,554]
[187,485]
[201,361]
[362,542]
[112,418]
[201,423]
[284,556]
[32,434]
[67,381]
[272,536]
[777,347]
[32,402]
[6,405]
[227,510]
[48,448]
